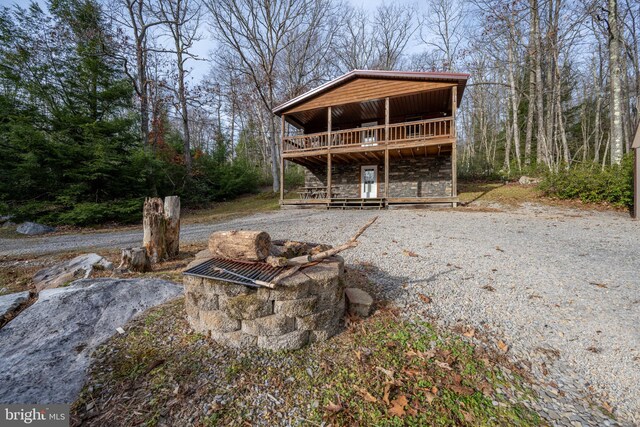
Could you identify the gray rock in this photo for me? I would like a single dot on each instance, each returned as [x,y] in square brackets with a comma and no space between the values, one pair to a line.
[33,229]
[358,302]
[296,307]
[291,341]
[11,302]
[5,218]
[9,224]
[527,180]
[215,320]
[46,350]
[276,324]
[235,339]
[65,272]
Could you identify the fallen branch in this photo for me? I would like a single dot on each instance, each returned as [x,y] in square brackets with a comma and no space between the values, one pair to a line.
[353,242]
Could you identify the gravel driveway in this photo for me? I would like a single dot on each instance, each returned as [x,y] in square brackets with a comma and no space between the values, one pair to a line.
[560,287]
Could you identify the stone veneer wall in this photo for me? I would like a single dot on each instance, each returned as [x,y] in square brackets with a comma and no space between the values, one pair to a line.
[305,307]
[411,177]
[420,176]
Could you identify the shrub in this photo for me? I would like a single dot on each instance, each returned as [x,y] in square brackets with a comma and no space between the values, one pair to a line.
[589,182]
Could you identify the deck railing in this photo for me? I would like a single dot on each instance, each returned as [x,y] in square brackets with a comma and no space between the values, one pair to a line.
[371,136]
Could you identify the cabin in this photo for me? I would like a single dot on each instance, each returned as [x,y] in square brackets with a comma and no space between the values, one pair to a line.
[374,139]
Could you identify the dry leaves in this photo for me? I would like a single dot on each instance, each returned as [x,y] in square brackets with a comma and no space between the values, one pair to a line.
[470,333]
[468,416]
[367,396]
[385,397]
[410,253]
[425,298]
[462,390]
[387,372]
[502,346]
[444,365]
[421,354]
[399,404]
[333,407]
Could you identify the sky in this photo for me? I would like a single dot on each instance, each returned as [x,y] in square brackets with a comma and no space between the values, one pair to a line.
[204,47]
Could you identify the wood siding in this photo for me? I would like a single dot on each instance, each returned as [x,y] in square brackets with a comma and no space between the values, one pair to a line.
[365,89]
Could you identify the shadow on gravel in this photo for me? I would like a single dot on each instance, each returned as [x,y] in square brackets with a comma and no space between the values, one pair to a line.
[386,286]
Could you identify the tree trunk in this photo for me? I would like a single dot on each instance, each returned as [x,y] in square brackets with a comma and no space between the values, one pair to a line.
[616,141]
[154,226]
[541,142]
[182,95]
[135,259]
[172,218]
[240,244]
[514,105]
[275,155]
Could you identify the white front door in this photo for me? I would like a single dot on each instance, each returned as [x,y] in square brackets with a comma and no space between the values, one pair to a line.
[369,181]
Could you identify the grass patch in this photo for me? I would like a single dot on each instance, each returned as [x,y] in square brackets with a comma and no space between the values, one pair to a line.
[488,192]
[246,205]
[381,371]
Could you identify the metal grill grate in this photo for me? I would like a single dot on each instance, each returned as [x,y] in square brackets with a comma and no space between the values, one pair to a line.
[240,272]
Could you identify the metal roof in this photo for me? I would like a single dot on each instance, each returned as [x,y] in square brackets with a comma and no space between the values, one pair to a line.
[460,78]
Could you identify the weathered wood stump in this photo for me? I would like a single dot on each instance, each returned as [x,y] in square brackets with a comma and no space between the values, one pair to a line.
[161,224]
[154,226]
[172,225]
[135,259]
[240,244]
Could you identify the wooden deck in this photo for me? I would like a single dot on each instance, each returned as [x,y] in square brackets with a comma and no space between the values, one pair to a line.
[368,203]
[372,138]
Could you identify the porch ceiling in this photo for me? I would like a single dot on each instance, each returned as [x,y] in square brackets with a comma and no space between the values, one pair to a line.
[431,104]
[372,157]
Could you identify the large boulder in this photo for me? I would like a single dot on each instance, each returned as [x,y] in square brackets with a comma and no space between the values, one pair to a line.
[527,180]
[33,229]
[11,302]
[60,274]
[46,351]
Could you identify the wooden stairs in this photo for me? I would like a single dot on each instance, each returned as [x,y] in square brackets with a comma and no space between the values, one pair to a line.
[341,203]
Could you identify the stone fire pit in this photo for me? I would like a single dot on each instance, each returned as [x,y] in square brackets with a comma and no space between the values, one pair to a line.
[303,308]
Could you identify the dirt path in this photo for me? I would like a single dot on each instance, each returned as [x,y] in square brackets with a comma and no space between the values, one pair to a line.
[558,286]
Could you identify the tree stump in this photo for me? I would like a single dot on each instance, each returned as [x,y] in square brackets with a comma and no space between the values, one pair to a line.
[135,259]
[240,244]
[172,225]
[154,225]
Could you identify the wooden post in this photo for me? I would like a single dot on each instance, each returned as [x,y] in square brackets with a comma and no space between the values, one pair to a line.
[329,175]
[329,153]
[636,183]
[386,150]
[172,225]
[386,119]
[636,173]
[386,173]
[154,229]
[282,135]
[454,144]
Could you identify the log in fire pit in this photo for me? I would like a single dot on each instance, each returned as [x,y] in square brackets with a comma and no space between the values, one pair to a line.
[241,300]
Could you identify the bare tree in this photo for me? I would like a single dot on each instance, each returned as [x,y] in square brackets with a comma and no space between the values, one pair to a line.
[182,20]
[444,29]
[615,75]
[136,17]
[259,32]
[394,26]
[356,44]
